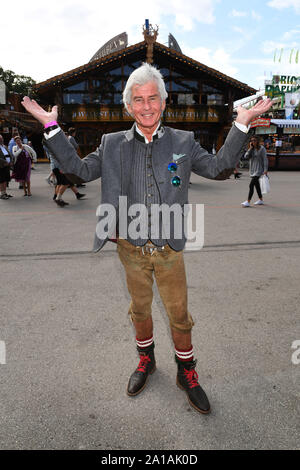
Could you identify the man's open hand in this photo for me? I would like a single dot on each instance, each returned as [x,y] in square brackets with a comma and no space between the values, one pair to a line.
[245,116]
[38,112]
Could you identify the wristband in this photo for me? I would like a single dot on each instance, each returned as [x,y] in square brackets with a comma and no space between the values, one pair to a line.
[49,124]
[51,128]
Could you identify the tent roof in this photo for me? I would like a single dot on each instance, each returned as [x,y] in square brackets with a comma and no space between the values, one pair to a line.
[83,70]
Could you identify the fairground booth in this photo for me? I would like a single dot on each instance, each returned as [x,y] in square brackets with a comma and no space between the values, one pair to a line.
[281,127]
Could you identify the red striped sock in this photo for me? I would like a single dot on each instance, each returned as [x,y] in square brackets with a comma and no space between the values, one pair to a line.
[185,355]
[144,343]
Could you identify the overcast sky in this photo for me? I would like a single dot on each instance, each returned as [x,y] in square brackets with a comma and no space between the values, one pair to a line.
[236,37]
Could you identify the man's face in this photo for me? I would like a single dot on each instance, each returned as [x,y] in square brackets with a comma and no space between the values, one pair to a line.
[146,106]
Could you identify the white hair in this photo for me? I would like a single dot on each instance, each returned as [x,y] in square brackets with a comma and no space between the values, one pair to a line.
[144,74]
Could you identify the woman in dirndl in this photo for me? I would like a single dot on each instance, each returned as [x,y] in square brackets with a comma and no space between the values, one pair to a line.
[22,167]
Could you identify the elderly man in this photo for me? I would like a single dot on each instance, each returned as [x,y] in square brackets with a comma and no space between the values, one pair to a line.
[151,164]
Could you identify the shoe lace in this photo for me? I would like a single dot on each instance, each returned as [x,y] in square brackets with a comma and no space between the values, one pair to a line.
[192,378]
[144,360]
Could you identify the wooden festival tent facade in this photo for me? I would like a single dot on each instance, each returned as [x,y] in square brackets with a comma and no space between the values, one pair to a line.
[200,99]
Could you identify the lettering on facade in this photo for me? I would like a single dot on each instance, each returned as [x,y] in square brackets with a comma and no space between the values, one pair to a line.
[201,115]
[208,114]
[102,114]
[282,84]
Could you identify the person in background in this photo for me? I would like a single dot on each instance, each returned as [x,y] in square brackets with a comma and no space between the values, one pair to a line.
[236,172]
[62,183]
[257,156]
[51,177]
[34,158]
[5,162]
[23,154]
[278,146]
[12,143]
[267,143]
[71,136]
[58,189]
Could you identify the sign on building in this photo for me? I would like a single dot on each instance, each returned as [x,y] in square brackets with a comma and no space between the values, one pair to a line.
[282,84]
[260,122]
[266,130]
[291,130]
[83,113]
[115,44]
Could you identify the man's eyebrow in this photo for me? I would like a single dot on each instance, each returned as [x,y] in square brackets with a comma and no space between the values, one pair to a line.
[151,96]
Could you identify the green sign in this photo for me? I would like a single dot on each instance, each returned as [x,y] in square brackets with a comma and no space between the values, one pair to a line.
[282,84]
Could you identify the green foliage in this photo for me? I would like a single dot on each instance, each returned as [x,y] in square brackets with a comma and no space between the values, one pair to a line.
[16,83]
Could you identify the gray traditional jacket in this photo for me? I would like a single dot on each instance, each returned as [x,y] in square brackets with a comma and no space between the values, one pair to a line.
[112,162]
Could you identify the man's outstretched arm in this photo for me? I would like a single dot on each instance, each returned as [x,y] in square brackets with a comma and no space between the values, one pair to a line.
[220,166]
[87,169]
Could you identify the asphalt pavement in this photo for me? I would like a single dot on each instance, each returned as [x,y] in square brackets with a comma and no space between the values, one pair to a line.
[67,347]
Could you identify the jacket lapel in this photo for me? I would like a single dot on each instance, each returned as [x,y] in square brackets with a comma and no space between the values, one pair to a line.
[126,154]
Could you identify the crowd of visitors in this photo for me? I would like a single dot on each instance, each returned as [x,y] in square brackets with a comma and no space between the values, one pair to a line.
[17,161]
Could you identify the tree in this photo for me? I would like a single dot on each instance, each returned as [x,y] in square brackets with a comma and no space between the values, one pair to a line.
[16,83]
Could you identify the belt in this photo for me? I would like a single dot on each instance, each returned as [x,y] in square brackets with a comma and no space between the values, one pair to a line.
[150,248]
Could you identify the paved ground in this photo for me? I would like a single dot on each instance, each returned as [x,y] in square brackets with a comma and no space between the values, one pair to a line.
[70,347]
